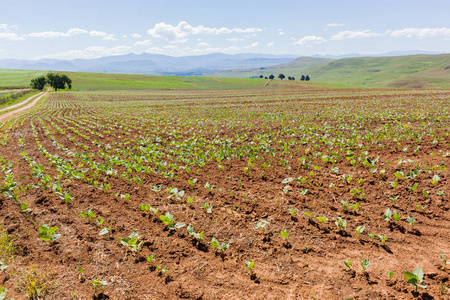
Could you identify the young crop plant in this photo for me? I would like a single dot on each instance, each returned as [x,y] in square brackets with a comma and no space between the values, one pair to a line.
[390,274]
[411,221]
[341,224]
[106,230]
[88,215]
[169,221]
[285,235]
[382,239]
[322,220]
[3,291]
[444,260]
[209,187]
[415,278]
[262,224]
[48,234]
[98,284]
[198,236]
[359,230]
[131,242]
[348,264]
[393,200]
[208,208]
[222,247]
[365,264]
[251,265]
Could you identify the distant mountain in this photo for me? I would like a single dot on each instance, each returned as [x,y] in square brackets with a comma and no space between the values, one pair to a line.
[415,71]
[152,64]
[392,53]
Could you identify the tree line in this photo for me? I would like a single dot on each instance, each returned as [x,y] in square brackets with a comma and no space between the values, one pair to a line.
[56,81]
[282,76]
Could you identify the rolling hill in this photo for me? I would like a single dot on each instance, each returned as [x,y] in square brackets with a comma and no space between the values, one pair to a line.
[414,71]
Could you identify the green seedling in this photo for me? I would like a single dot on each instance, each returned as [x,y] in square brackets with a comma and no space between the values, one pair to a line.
[365,264]
[24,207]
[307,249]
[393,184]
[48,234]
[382,238]
[292,212]
[3,291]
[80,272]
[444,260]
[344,204]
[169,221]
[425,193]
[131,242]
[222,247]
[97,283]
[435,179]
[262,224]
[198,236]
[387,215]
[355,207]
[99,222]
[310,215]
[348,264]
[251,265]
[396,216]
[208,208]
[105,230]
[192,181]
[411,221]
[440,193]
[3,267]
[88,215]
[415,278]
[393,199]
[360,229]
[390,274]
[150,259]
[413,188]
[341,224]
[209,187]
[285,235]
[322,220]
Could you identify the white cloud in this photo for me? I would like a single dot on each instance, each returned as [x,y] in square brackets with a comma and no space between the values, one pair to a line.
[183,29]
[10,36]
[280,32]
[7,27]
[90,52]
[335,25]
[143,43]
[419,32]
[136,35]
[109,37]
[55,34]
[255,44]
[97,33]
[203,44]
[270,44]
[347,34]
[310,39]
[235,39]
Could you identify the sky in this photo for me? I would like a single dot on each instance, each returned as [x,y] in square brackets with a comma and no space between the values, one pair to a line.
[63,29]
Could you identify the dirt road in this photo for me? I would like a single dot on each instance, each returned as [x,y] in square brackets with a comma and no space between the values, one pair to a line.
[17,111]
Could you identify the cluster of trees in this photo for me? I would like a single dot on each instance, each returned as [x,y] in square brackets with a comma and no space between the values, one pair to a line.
[281,76]
[56,81]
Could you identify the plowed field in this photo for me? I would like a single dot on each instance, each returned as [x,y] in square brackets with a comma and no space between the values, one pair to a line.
[141,185]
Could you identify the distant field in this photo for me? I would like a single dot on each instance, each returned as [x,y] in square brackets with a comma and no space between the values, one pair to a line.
[10,79]
[99,81]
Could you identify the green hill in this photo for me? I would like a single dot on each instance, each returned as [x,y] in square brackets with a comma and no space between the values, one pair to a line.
[415,71]
[12,79]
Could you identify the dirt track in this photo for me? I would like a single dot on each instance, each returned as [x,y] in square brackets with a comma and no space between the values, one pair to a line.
[17,111]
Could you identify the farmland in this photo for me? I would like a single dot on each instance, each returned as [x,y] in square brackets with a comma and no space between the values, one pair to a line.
[309,193]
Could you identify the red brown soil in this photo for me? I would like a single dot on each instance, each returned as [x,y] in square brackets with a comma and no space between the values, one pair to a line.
[283,270]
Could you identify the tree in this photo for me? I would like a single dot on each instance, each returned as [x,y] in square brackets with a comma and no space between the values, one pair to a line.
[307,78]
[266,77]
[260,76]
[281,76]
[289,78]
[38,83]
[271,76]
[293,78]
[302,78]
[59,81]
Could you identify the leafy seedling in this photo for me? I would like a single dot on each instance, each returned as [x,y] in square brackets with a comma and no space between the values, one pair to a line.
[251,265]
[365,264]
[322,220]
[341,224]
[198,236]
[208,208]
[3,291]
[345,205]
[292,212]
[285,235]
[444,260]
[3,267]
[382,238]
[106,230]
[48,234]
[97,283]
[360,229]
[169,221]
[390,274]
[387,215]
[348,264]
[411,221]
[415,278]
[131,242]
[307,249]
[88,215]
[262,224]
[222,247]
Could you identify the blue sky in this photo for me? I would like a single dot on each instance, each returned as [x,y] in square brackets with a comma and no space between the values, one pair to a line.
[65,29]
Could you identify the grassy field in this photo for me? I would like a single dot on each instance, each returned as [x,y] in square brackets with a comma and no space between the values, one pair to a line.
[412,71]
[100,82]
[10,79]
